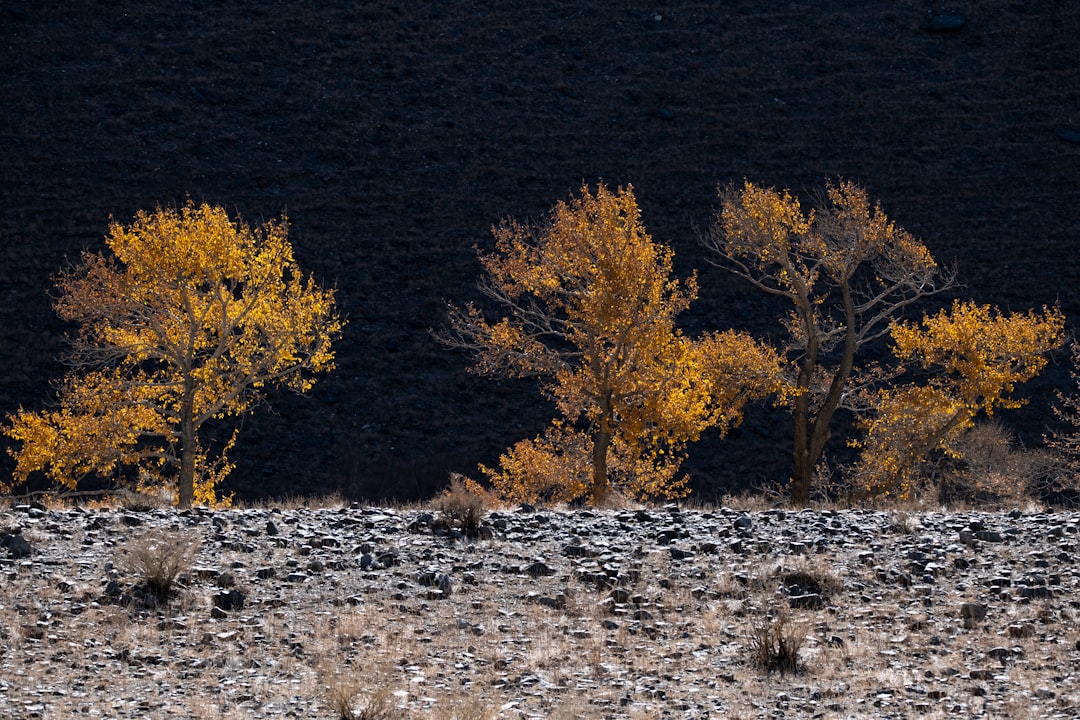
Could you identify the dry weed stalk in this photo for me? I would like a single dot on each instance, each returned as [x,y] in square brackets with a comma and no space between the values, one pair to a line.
[341,694]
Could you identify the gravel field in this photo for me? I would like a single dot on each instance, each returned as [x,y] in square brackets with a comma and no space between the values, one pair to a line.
[633,613]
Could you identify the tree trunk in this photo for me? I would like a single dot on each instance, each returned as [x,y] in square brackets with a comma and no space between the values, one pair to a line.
[802,473]
[600,486]
[803,460]
[186,480]
[811,436]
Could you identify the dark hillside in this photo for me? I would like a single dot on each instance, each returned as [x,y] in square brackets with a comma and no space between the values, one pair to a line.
[395,134]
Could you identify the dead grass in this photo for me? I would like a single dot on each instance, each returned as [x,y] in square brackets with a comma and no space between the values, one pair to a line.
[463,505]
[774,643]
[158,557]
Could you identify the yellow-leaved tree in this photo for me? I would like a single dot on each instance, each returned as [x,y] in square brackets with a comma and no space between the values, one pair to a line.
[189,319]
[590,310]
[846,270]
[972,357]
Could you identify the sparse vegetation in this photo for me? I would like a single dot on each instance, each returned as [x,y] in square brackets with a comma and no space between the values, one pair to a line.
[348,701]
[463,505]
[628,632]
[774,643]
[158,558]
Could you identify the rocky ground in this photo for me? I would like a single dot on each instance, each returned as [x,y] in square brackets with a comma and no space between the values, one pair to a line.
[634,613]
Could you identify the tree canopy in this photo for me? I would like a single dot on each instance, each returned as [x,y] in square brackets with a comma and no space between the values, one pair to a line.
[590,310]
[972,357]
[846,271]
[188,318]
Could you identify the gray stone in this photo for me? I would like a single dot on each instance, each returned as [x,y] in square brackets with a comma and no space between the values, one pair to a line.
[17,546]
[539,568]
[972,614]
[1021,630]
[229,601]
[809,601]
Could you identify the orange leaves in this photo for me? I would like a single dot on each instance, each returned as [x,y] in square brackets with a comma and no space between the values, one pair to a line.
[188,319]
[983,353]
[847,271]
[591,310]
[975,356]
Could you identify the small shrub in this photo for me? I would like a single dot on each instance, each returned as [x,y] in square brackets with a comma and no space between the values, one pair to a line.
[463,505]
[774,644]
[158,558]
[994,471]
[1051,479]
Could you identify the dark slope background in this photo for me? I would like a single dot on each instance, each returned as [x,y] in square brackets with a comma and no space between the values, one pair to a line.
[394,134]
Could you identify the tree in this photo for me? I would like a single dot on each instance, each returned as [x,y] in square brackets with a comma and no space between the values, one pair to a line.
[1066,443]
[973,357]
[846,270]
[189,320]
[1061,484]
[591,311]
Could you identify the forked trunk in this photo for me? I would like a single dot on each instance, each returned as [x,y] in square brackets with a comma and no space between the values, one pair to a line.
[811,435]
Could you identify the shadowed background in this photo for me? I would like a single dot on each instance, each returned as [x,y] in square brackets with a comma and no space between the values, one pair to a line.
[395,134]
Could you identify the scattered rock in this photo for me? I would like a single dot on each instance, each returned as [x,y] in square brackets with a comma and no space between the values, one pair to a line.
[1021,630]
[230,601]
[647,573]
[972,614]
[17,546]
[539,568]
[809,601]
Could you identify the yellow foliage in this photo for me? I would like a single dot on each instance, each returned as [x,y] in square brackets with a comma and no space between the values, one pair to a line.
[846,269]
[983,353]
[592,310]
[974,356]
[187,319]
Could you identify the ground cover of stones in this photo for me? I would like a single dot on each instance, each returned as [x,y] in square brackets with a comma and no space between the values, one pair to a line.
[548,613]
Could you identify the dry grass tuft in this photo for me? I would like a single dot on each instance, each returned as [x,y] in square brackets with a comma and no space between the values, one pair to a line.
[774,644]
[810,576]
[342,694]
[158,558]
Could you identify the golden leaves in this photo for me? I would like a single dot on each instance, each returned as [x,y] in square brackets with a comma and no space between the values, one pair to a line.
[984,353]
[975,357]
[591,311]
[763,224]
[188,318]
